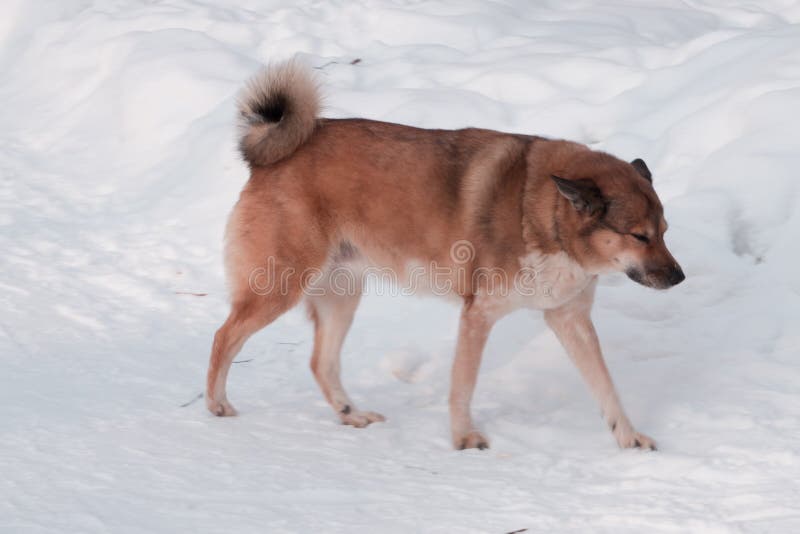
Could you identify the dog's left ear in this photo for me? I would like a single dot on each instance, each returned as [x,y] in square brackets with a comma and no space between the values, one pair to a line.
[641,168]
[584,194]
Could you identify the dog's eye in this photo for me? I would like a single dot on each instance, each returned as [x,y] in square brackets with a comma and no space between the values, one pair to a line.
[642,238]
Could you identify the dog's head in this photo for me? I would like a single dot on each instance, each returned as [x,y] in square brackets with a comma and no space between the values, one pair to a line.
[615,219]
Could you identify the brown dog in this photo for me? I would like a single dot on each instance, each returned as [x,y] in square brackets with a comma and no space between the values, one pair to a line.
[498,220]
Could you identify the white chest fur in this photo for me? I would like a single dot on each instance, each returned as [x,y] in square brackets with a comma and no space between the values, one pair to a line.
[549,280]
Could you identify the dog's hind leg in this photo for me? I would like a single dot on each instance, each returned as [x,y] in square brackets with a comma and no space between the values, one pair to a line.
[270,251]
[573,326]
[247,316]
[332,311]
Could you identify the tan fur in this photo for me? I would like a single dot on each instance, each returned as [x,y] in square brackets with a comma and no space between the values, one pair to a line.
[536,221]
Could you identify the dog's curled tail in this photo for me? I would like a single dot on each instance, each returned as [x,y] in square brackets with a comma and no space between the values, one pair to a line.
[277,111]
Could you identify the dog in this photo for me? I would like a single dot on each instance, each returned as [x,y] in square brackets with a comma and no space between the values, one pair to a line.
[508,220]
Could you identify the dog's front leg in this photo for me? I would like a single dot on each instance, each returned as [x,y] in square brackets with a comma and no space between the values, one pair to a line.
[473,331]
[573,326]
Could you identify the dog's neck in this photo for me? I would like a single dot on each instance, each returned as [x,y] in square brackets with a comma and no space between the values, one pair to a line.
[544,214]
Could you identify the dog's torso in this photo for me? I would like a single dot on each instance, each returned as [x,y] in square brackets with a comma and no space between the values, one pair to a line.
[441,209]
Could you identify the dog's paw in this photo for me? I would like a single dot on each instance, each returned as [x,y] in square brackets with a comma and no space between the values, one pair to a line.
[358,418]
[470,440]
[628,438]
[221,408]
[638,440]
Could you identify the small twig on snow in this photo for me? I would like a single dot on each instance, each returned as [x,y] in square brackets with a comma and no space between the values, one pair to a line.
[197,398]
[356,61]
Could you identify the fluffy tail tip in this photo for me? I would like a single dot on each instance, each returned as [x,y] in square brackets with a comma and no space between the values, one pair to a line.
[278,111]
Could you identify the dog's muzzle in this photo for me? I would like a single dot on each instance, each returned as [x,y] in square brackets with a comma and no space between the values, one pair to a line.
[662,278]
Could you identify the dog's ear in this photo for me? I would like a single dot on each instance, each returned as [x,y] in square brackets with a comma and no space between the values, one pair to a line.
[584,194]
[641,168]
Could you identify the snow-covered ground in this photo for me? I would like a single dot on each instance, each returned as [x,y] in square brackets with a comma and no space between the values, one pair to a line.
[118,168]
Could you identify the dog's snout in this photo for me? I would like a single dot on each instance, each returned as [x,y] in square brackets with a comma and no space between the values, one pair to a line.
[662,277]
[676,276]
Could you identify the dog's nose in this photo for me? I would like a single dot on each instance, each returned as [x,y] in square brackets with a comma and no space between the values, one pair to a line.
[676,276]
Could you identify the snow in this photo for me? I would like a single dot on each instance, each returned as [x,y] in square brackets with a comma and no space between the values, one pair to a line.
[118,168]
